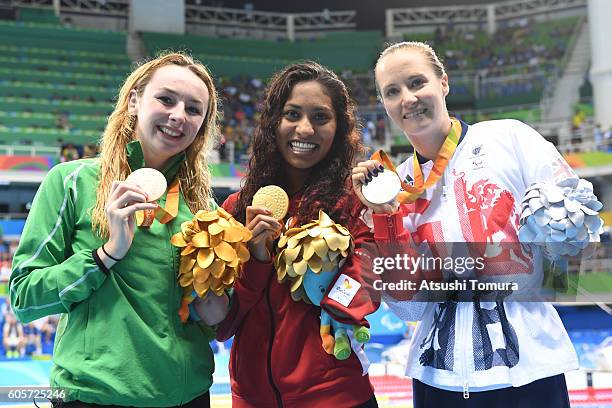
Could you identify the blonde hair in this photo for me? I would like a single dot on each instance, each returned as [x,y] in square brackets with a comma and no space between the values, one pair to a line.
[426,49]
[120,130]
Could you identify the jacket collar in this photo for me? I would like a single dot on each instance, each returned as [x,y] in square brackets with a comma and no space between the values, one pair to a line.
[464,129]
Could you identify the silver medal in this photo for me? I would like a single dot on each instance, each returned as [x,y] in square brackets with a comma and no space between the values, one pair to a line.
[383,188]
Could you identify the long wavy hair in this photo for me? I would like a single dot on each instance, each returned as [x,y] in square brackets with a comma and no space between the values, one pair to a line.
[120,130]
[326,184]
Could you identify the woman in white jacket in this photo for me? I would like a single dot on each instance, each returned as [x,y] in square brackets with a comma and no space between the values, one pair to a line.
[473,353]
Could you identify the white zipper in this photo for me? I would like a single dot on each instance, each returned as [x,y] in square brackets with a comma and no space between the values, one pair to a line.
[444,186]
[465,343]
[461,306]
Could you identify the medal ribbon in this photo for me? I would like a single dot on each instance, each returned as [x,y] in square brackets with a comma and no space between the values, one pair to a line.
[411,193]
[144,218]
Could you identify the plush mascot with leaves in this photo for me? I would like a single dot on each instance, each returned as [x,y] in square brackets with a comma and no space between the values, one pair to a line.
[310,257]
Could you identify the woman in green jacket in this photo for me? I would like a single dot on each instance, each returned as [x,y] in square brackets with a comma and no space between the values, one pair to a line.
[120,341]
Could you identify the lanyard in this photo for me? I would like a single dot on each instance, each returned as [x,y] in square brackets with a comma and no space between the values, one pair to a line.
[411,193]
[163,215]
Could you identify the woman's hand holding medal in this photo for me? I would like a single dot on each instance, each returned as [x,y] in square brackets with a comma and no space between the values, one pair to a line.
[263,219]
[137,192]
[376,187]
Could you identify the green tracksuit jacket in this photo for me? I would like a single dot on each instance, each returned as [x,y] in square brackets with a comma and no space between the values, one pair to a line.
[119,340]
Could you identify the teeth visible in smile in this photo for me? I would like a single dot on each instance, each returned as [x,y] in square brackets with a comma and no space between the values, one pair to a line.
[169,132]
[414,114]
[302,147]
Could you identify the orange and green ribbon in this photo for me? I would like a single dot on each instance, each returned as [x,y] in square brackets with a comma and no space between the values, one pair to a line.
[164,214]
[411,193]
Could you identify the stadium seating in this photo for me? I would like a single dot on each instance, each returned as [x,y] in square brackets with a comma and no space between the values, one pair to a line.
[229,56]
[50,70]
[512,67]
[53,86]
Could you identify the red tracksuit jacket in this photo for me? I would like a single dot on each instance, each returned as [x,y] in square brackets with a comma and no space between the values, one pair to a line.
[277,359]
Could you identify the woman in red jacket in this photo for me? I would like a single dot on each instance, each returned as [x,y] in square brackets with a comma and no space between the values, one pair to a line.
[306,142]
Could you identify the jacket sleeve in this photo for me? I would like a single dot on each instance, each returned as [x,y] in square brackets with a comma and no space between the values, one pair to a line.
[539,160]
[47,277]
[358,266]
[248,290]
[394,243]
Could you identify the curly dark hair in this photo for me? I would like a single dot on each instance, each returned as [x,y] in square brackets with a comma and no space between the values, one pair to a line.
[327,183]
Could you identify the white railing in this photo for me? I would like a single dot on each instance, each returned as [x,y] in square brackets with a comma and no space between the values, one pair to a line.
[500,110]
[414,19]
[92,7]
[21,150]
[288,25]
[524,8]
[401,20]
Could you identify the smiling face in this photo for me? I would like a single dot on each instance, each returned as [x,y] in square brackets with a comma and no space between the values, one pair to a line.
[307,127]
[170,112]
[414,96]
